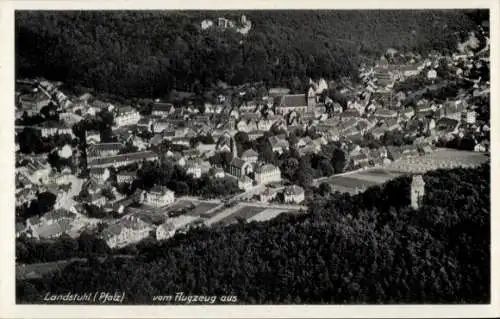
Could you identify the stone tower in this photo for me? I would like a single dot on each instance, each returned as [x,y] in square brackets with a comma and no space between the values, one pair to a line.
[417,191]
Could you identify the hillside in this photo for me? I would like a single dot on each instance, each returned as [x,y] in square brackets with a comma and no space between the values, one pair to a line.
[147,54]
[368,248]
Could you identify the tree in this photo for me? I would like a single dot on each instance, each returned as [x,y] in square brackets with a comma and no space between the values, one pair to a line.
[339,160]
[45,202]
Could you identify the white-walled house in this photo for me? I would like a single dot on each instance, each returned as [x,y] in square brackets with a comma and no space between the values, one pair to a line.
[159,196]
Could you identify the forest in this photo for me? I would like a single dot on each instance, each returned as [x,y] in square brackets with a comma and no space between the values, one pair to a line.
[369,248]
[149,54]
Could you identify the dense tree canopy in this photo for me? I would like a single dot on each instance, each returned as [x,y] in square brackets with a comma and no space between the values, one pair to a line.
[150,53]
[368,248]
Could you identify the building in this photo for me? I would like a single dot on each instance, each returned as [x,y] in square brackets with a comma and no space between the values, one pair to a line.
[159,196]
[293,194]
[218,172]
[383,114]
[469,117]
[239,168]
[125,177]
[145,124]
[299,103]
[122,160]
[360,160]
[250,156]
[127,231]
[127,116]
[193,168]
[169,228]
[245,183]
[34,102]
[417,191]
[98,200]
[267,173]
[92,137]
[268,195]
[162,109]
[278,144]
[99,174]
[101,150]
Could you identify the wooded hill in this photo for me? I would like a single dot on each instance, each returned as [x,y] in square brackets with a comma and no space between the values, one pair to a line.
[369,248]
[147,54]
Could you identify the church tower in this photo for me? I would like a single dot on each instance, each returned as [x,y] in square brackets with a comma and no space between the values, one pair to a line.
[311,98]
[417,191]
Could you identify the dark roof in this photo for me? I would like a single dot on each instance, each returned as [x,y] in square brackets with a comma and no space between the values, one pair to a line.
[249,153]
[446,124]
[294,100]
[238,162]
[138,156]
[162,107]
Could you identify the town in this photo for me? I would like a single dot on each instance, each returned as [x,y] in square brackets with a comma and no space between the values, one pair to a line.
[154,168]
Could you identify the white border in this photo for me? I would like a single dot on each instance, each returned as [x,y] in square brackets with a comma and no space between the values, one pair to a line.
[8,308]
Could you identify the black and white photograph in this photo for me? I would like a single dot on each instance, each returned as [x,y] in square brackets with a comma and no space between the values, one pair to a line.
[237,157]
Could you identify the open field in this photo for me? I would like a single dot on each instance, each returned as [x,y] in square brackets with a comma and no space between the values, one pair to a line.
[441,158]
[266,214]
[244,212]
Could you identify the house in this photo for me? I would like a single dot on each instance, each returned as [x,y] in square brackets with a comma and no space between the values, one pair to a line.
[408,113]
[409,151]
[50,231]
[20,228]
[278,144]
[360,160]
[268,194]
[469,117]
[127,116]
[238,167]
[447,125]
[159,196]
[145,124]
[245,183]
[53,128]
[253,135]
[101,150]
[99,174]
[193,168]
[383,114]
[276,92]
[58,215]
[250,156]
[127,231]
[161,109]
[34,102]
[293,194]
[123,159]
[393,152]
[218,172]
[169,228]
[51,225]
[160,126]
[267,173]
[92,137]
[98,200]
[480,147]
[392,124]
[378,132]
[424,109]
[125,177]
